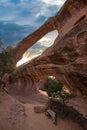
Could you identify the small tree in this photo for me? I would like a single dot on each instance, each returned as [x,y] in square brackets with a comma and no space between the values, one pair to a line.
[55,90]
[5,64]
[52,86]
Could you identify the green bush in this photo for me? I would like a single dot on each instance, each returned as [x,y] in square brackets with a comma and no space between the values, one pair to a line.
[53,87]
[55,90]
[5,63]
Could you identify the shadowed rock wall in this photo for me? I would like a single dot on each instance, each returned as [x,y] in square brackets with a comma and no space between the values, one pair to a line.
[66,59]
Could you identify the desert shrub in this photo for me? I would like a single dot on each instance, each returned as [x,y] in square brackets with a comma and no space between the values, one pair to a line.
[5,64]
[55,89]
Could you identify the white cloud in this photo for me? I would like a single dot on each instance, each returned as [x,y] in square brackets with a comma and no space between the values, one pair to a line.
[41,45]
[25,12]
[25,59]
[50,7]
[31,53]
[54,2]
[48,39]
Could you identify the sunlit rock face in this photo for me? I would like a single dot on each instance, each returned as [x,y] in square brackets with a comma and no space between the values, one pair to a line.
[66,59]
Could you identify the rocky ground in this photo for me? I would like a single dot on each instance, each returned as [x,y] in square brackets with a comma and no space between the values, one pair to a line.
[15,115]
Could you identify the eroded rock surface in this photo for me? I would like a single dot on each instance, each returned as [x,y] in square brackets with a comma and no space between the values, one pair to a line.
[66,59]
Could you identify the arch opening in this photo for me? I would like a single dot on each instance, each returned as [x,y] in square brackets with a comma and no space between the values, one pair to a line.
[38,48]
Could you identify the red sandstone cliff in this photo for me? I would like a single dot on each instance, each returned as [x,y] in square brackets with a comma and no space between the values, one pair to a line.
[66,59]
[69,15]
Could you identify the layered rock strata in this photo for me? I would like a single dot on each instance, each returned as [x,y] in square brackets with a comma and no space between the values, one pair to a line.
[66,59]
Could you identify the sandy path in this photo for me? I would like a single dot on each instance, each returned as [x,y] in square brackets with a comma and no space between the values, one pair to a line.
[18,116]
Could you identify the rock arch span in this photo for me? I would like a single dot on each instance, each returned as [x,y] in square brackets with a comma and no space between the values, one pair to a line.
[66,58]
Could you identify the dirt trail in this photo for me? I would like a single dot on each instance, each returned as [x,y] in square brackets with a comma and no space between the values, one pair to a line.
[18,116]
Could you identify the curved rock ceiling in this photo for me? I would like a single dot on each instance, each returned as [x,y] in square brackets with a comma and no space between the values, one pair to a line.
[66,59]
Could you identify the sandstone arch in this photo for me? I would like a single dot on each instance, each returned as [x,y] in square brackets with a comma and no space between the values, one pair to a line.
[66,58]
